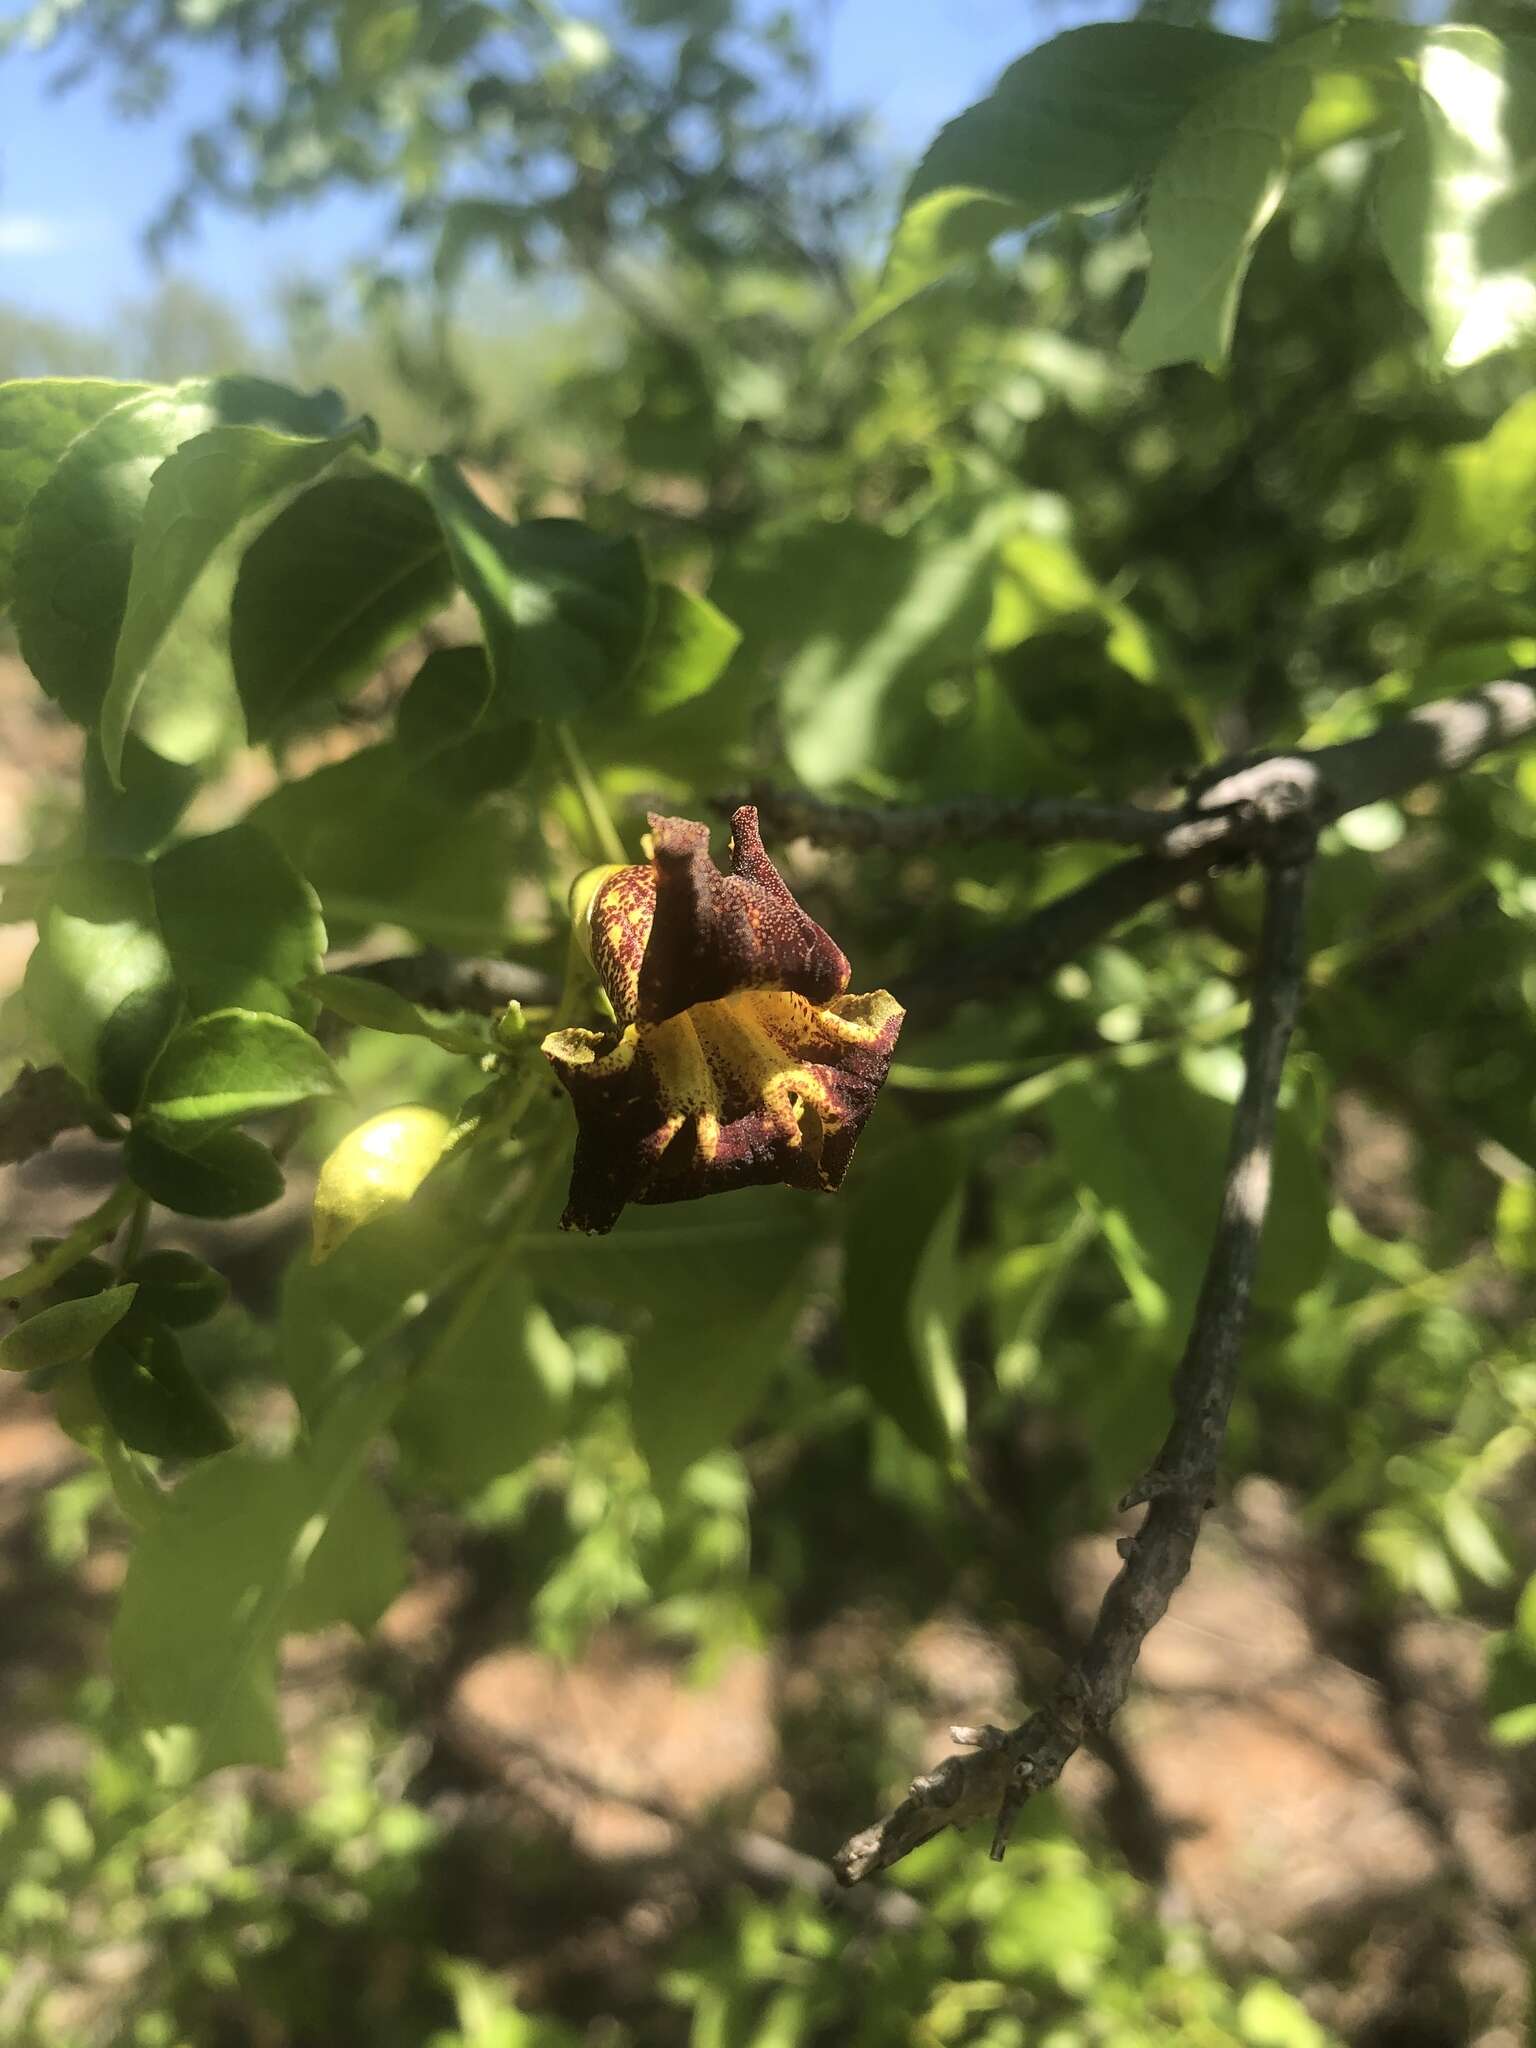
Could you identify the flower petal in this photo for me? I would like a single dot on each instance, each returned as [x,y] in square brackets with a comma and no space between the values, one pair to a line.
[757,1087]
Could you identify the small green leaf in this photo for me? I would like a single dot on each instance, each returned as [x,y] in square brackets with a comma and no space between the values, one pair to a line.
[39,417]
[376,1008]
[200,494]
[686,651]
[100,981]
[242,927]
[177,1288]
[564,609]
[1213,192]
[227,1173]
[898,1235]
[150,1398]
[230,1065]
[1072,124]
[1454,167]
[328,589]
[67,1330]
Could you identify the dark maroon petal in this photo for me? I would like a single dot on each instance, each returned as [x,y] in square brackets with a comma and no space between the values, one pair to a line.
[760,1087]
[714,934]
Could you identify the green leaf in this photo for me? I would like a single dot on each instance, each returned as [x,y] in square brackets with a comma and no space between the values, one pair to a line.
[67,1330]
[898,1238]
[125,823]
[199,496]
[686,651]
[1151,1151]
[874,614]
[564,609]
[1452,171]
[357,1569]
[230,1065]
[1477,511]
[215,1578]
[150,1398]
[100,981]
[375,38]
[225,1174]
[376,1008]
[177,1288]
[39,417]
[446,723]
[328,589]
[497,1395]
[242,927]
[75,552]
[1073,123]
[380,846]
[1212,194]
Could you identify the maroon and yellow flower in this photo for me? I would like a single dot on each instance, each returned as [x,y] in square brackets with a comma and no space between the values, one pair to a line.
[738,1059]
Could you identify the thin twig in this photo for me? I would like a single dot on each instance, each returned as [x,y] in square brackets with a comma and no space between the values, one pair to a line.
[1001,1769]
[1231,811]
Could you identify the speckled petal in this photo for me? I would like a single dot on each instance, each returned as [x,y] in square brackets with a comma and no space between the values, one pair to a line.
[758,1087]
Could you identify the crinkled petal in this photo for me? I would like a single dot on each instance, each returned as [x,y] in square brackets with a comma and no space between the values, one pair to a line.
[678,932]
[760,1086]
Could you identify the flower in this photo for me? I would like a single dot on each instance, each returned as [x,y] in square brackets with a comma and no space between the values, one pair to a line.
[738,1059]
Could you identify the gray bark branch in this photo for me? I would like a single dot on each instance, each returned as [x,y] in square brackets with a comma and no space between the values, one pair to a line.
[1002,1768]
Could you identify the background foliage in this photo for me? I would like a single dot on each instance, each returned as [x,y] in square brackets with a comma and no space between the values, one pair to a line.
[1020,516]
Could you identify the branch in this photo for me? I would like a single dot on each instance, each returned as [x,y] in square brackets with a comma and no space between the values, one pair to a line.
[1230,813]
[1004,1768]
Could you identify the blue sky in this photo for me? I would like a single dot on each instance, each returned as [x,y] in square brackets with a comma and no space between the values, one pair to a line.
[78,181]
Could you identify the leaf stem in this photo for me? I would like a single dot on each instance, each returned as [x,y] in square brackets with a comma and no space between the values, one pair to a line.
[599,817]
[91,1231]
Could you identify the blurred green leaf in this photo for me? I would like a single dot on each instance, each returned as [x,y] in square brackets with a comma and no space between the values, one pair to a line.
[226,1173]
[377,1008]
[150,1398]
[178,1288]
[687,650]
[69,1329]
[199,496]
[1477,510]
[565,609]
[328,589]
[1454,164]
[39,417]
[1071,124]
[447,724]
[230,1065]
[100,981]
[242,927]
[1214,190]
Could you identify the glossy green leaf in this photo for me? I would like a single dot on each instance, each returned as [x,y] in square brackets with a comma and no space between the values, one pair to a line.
[1214,190]
[1453,167]
[150,1398]
[447,724]
[39,417]
[564,609]
[75,552]
[100,982]
[199,496]
[1072,124]
[242,927]
[328,589]
[230,1065]
[1151,1152]
[215,1577]
[69,1329]
[226,1173]
[898,1238]
[687,649]
[377,1008]
[177,1288]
